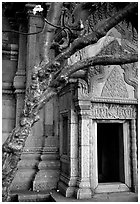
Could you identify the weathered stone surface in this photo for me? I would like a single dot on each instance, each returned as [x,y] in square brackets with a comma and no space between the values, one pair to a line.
[23,180]
[46,180]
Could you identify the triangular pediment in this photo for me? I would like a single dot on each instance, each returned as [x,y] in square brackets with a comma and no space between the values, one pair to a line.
[115,86]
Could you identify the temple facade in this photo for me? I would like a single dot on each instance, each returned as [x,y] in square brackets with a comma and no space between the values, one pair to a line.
[86,139]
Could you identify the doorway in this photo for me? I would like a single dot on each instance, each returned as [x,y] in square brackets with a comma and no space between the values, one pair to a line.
[110,153]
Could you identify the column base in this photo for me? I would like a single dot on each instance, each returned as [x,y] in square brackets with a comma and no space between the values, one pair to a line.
[67,191]
[83,193]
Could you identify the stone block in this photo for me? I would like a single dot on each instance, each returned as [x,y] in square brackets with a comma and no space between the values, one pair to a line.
[67,191]
[83,193]
[74,134]
[84,161]
[52,155]
[49,130]
[38,129]
[74,151]
[28,164]
[74,117]
[31,196]
[51,142]
[8,125]
[9,70]
[8,111]
[49,164]
[84,135]
[74,167]
[4,136]
[49,112]
[110,187]
[45,180]
[23,180]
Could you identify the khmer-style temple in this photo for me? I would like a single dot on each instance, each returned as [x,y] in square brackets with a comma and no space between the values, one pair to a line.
[85,142]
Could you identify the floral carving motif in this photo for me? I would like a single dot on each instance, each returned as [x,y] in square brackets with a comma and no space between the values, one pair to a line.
[107,111]
[115,86]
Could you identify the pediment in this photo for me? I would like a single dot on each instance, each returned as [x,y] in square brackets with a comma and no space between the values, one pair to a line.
[115,86]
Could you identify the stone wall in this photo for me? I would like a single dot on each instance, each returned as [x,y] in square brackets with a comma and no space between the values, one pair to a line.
[9,68]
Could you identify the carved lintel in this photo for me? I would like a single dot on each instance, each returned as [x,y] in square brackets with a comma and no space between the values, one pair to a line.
[111,111]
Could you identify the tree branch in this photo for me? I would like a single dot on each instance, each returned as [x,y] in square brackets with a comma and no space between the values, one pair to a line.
[93,37]
[97,60]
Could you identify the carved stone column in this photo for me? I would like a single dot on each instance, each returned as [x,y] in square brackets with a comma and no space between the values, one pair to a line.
[68,159]
[48,174]
[29,55]
[19,79]
[134,156]
[35,24]
[9,66]
[83,190]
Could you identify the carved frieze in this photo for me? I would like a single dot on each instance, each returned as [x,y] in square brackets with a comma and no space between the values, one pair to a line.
[112,111]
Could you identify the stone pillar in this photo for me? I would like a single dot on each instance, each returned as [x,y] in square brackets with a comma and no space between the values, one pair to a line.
[9,67]
[69,162]
[28,165]
[48,174]
[83,190]
[35,24]
[134,156]
[19,79]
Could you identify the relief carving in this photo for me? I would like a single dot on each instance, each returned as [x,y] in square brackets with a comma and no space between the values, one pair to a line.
[115,86]
[107,111]
[131,76]
[82,88]
[96,74]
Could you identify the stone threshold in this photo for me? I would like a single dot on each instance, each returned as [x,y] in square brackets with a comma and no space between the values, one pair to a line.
[102,197]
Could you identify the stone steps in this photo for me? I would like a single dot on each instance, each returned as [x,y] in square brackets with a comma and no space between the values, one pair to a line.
[31,196]
[99,197]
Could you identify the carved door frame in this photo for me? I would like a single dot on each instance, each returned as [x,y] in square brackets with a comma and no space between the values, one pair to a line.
[96,187]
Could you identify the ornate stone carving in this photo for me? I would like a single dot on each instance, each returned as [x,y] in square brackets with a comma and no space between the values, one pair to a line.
[131,75]
[112,111]
[83,88]
[115,86]
[96,74]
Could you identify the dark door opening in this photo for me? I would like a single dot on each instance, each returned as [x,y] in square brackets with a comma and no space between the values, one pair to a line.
[110,152]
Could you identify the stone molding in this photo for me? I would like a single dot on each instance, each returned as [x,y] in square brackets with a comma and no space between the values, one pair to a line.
[7,92]
[110,100]
[45,150]
[7,88]
[84,94]
[19,91]
[10,51]
[68,180]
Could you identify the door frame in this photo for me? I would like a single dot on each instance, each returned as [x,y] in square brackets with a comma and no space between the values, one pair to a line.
[114,186]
